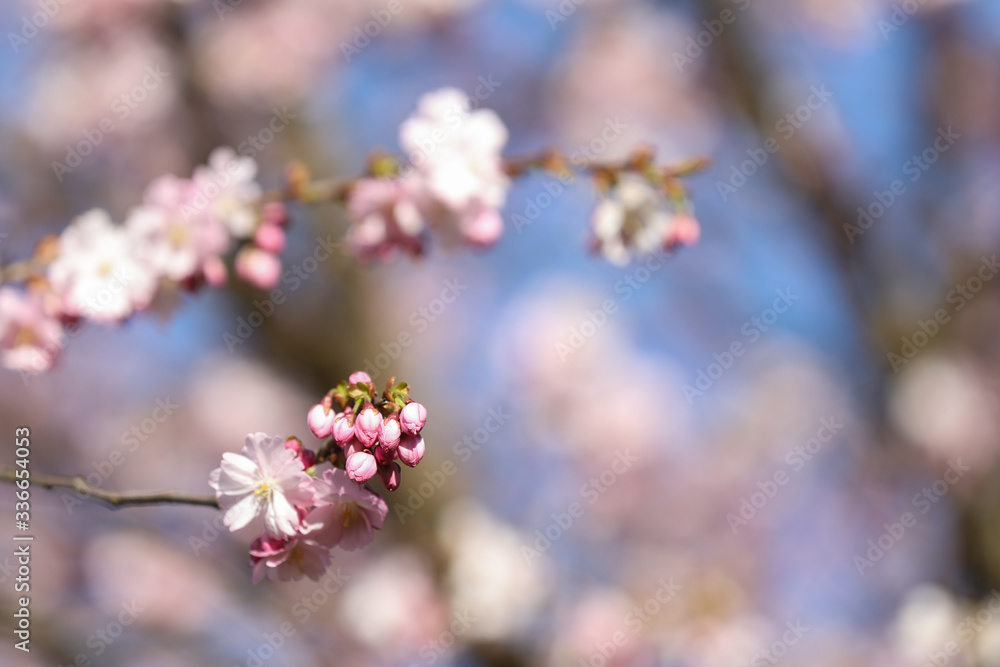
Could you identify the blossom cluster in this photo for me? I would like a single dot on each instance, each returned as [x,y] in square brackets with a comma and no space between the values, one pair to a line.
[100,271]
[637,217]
[373,432]
[307,503]
[454,181]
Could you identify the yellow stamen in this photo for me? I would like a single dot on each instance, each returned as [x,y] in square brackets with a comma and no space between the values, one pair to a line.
[349,515]
[177,236]
[25,336]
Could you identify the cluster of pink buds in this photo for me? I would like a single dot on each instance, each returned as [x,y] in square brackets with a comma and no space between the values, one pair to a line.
[372,431]
[310,503]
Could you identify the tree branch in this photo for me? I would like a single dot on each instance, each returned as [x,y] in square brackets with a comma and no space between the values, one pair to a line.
[115,500]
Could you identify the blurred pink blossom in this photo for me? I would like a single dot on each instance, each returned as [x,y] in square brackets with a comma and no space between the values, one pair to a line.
[258,267]
[288,558]
[456,153]
[346,514]
[30,338]
[98,273]
[173,242]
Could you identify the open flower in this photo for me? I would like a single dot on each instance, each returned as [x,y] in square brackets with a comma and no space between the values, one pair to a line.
[30,339]
[265,479]
[385,216]
[97,272]
[176,243]
[288,559]
[456,156]
[636,218]
[346,514]
[227,192]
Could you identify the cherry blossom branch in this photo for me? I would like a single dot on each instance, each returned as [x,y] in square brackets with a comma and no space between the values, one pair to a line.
[301,189]
[20,271]
[187,232]
[552,159]
[115,500]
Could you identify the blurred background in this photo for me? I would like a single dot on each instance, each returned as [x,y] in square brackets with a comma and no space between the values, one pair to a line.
[780,446]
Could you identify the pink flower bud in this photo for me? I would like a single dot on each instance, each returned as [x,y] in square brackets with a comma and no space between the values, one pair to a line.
[343,428]
[321,421]
[684,231]
[307,456]
[215,272]
[411,449]
[352,446]
[382,455]
[274,213]
[366,425]
[265,546]
[413,417]
[482,228]
[361,466]
[390,475]
[360,377]
[389,432]
[258,267]
[270,238]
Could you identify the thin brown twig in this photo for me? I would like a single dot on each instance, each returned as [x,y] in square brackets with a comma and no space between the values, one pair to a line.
[115,500]
[302,189]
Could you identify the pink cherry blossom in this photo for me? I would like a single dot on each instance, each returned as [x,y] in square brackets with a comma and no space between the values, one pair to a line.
[271,238]
[97,272]
[481,226]
[390,475]
[227,192]
[684,231]
[174,242]
[215,272]
[321,419]
[634,218]
[343,428]
[274,213]
[360,377]
[361,466]
[258,267]
[306,456]
[265,479]
[389,432]
[382,455]
[346,514]
[367,424]
[288,559]
[412,417]
[411,449]
[30,338]
[456,157]
[352,446]
[386,217]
